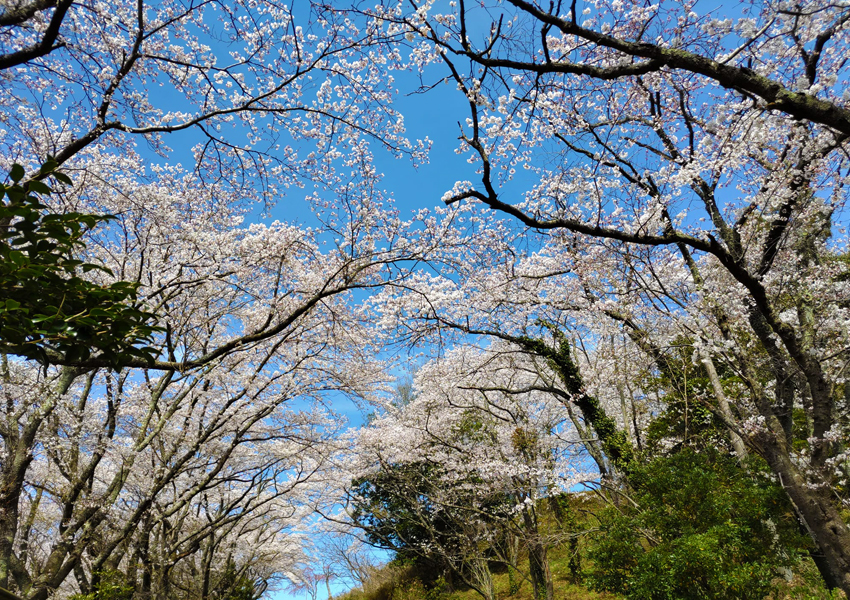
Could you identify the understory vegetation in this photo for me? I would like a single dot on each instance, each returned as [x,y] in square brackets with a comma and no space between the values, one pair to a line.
[691,548]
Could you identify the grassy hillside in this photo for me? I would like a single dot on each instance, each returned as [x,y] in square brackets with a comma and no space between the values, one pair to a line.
[400,583]
[403,582]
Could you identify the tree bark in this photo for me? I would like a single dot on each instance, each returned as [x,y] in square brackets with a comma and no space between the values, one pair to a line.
[818,515]
[538,560]
[723,405]
[18,442]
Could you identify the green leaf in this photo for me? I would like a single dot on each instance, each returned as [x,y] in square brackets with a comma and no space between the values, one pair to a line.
[61,177]
[49,166]
[41,318]
[39,187]
[17,173]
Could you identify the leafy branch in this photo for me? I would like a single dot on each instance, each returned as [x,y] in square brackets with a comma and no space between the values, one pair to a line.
[47,308]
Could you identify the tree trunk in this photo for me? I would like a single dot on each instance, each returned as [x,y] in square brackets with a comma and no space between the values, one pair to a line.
[541,578]
[723,405]
[538,561]
[10,491]
[819,517]
[18,442]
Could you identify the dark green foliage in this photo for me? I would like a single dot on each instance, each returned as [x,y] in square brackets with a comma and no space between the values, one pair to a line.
[687,422]
[47,311]
[703,528]
[686,390]
[429,524]
[111,585]
[392,507]
[234,585]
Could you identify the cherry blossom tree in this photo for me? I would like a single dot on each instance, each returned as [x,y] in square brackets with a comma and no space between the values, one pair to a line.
[186,468]
[689,171]
[482,442]
[157,471]
[49,309]
[247,80]
[685,194]
[266,99]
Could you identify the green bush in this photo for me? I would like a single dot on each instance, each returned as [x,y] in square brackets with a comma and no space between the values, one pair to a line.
[111,585]
[698,527]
